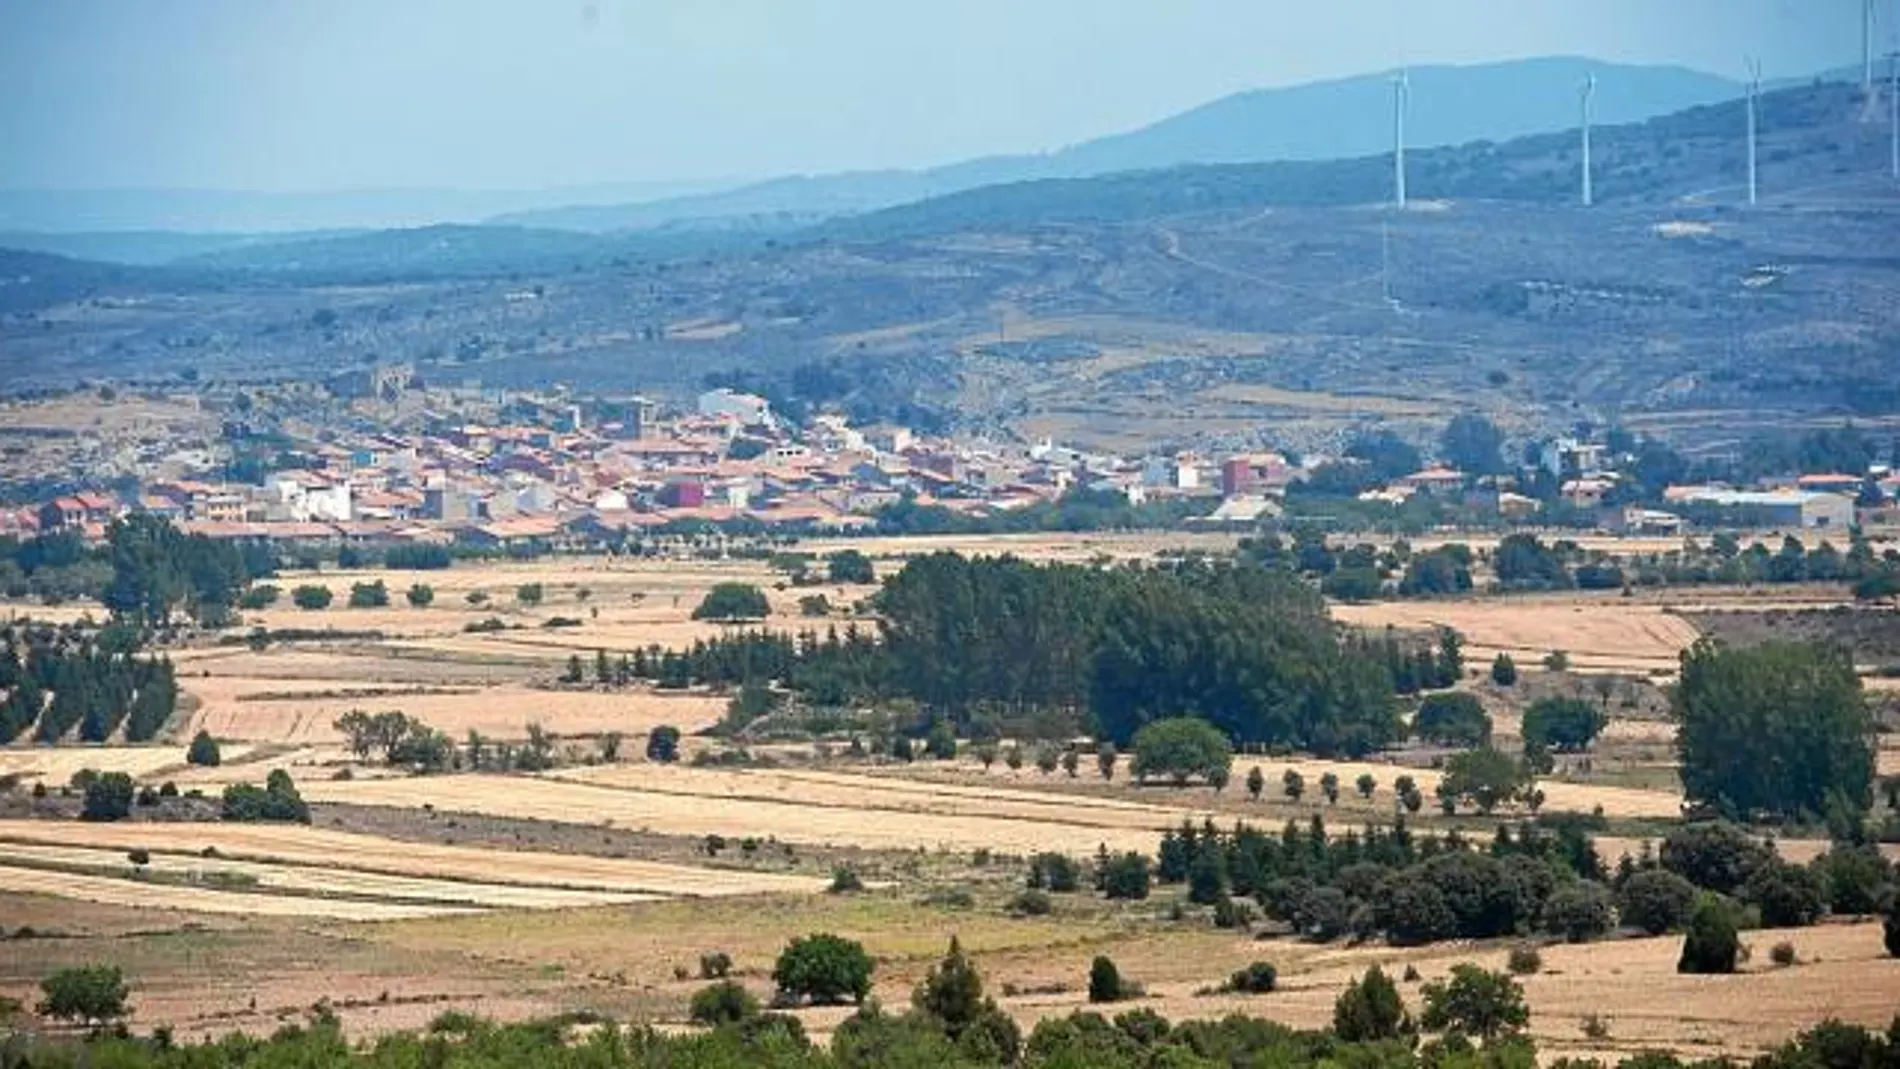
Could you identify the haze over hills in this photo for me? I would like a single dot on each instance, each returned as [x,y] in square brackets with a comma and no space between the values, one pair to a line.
[1341,118]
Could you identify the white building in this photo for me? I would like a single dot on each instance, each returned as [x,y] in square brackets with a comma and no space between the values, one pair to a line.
[303,497]
[750,410]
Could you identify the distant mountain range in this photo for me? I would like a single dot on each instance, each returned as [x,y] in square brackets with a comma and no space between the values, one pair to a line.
[1343,118]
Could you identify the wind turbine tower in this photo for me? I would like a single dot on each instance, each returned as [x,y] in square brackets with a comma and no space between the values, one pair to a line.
[1401,96]
[1893,115]
[1867,47]
[1589,90]
[1754,93]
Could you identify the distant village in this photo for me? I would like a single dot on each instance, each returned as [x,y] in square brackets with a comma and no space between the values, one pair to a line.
[567,474]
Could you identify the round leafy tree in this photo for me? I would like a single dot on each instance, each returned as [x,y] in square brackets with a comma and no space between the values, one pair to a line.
[733,601]
[1181,748]
[824,969]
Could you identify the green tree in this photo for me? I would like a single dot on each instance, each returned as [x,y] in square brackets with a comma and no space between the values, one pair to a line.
[1789,896]
[1127,877]
[850,566]
[1504,671]
[1473,444]
[420,595]
[530,594]
[1105,981]
[90,995]
[1475,1002]
[203,751]
[1855,877]
[1780,728]
[733,601]
[663,744]
[373,595]
[1181,748]
[1579,911]
[108,797]
[1712,945]
[726,1002]
[1715,855]
[1566,725]
[1455,719]
[1329,787]
[1105,758]
[823,969]
[311,597]
[1292,784]
[1486,779]
[1370,1010]
[1656,901]
[1366,784]
[1256,782]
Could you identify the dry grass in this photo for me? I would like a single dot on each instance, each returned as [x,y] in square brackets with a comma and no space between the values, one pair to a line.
[1596,633]
[56,765]
[149,895]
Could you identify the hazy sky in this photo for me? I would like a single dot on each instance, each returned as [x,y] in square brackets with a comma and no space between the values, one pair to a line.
[491,94]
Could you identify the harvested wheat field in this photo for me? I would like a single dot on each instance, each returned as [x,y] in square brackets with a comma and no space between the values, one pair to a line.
[56,765]
[296,845]
[147,894]
[312,880]
[1596,633]
[704,809]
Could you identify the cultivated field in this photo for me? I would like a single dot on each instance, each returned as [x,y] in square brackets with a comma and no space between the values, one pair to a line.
[1596,633]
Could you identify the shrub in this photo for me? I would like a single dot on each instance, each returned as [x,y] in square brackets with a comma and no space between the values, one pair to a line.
[1370,1009]
[1595,1027]
[1504,671]
[530,593]
[1783,954]
[1453,719]
[139,856]
[850,566]
[107,797]
[1557,661]
[663,744]
[715,966]
[1054,872]
[311,597]
[1475,1002]
[1656,901]
[1788,896]
[203,751]
[1524,960]
[1854,878]
[823,969]
[261,596]
[1127,877]
[814,605]
[1367,783]
[733,601]
[1259,978]
[1565,725]
[1105,981]
[1181,748]
[1579,911]
[1718,856]
[277,800]
[1712,945]
[420,595]
[726,1002]
[1031,903]
[369,595]
[844,880]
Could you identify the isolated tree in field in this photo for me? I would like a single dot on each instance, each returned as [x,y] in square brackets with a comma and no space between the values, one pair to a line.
[1329,786]
[1370,1010]
[420,595]
[1181,748]
[1292,784]
[108,797]
[1256,782]
[1013,757]
[1071,762]
[726,1002]
[1504,671]
[1565,725]
[369,595]
[1712,945]
[663,744]
[1367,783]
[1780,728]
[1452,720]
[203,751]
[311,597]
[1105,757]
[733,601]
[530,593]
[1475,1002]
[850,566]
[823,969]
[1127,876]
[1105,981]
[1485,778]
[89,995]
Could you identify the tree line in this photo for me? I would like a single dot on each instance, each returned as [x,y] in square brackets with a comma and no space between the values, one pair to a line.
[61,680]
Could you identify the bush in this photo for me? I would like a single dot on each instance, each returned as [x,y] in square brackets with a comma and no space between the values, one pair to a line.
[1181,748]
[530,593]
[1370,1009]
[1656,901]
[369,595]
[1127,877]
[733,601]
[1524,960]
[420,595]
[203,751]
[1783,954]
[1054,872]
[663,744]
[1579,911]
[1712,945]
[311,597]
[1504,671]
[1854,877]
[1788,896]
[1031,903]
[844,881]
[277,800]
[814,605]
[823,969]
[850,566]
[261,596]
[1259,978]
[1105,981]
[1565,725]
[108,797]
[726,1002]
[1452,720]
